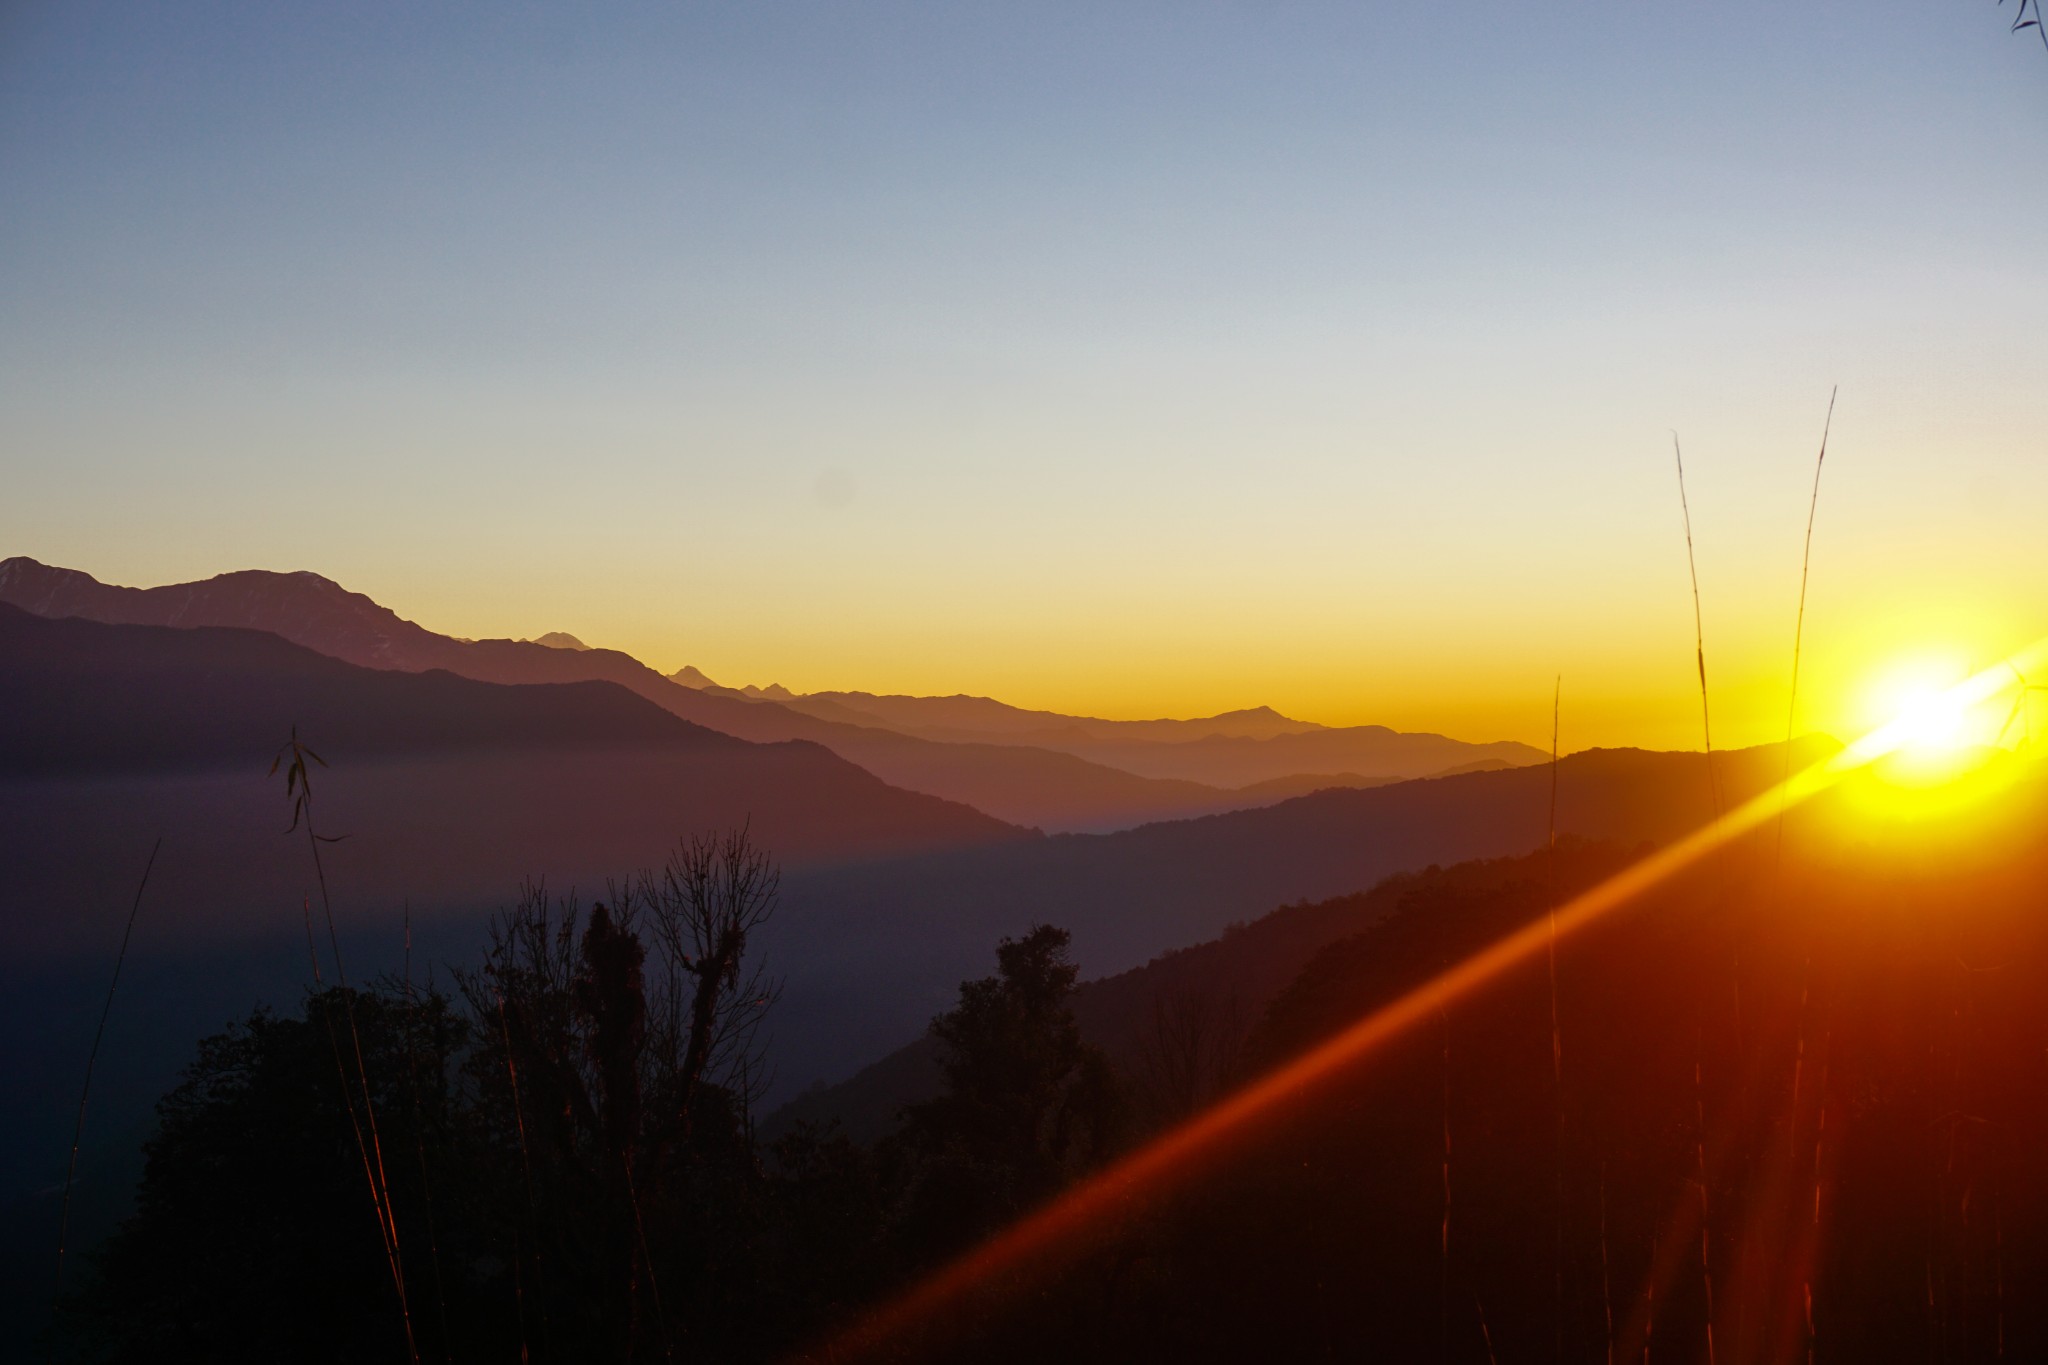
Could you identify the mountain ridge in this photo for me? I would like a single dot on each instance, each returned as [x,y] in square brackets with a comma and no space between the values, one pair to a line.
[1232,750]
[85,700]
[1055,788]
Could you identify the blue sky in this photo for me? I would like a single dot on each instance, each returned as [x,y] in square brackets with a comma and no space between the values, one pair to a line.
[1123,358]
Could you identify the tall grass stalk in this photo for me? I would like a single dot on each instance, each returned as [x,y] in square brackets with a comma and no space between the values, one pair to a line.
[526,1169]
[1444,1237]
[1799,622]
[419,1137]
[1699,633]
[1998,1261]
[1706,1224]
[1606,1278]
[1820,1134]
[378,1195]
[1699,636]
[1778,849]
[299,789]
[92,1059]
[1485,1332]
[668,1348]
[1556,1044]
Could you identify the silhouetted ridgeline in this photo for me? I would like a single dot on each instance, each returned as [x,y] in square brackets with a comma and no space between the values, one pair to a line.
[1019,783]
[94,698]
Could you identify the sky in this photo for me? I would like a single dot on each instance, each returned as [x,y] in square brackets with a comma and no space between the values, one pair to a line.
[1123,359]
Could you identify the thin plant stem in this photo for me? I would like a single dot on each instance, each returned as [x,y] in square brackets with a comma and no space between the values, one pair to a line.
[1820,1134]
[1699,633]
[1556,1045]
[299,779]
[91,1061]
[1606,1279]
[1444,1236]
[1998,1262]
[526,1167]
[1799,622]
[348,1101]
[668,1349]
[1778,847]
[419,1138]
[380,1184]
[1699,636]
[1706,1224]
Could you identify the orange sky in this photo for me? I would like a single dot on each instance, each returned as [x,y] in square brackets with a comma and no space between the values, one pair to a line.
[1213,361]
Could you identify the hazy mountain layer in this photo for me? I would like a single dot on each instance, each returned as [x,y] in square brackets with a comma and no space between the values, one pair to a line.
[456,783]
[1022,785]
[1041,784]
[1234,750]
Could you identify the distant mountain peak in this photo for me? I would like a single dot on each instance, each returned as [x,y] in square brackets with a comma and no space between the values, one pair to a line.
[1258,713]
[773,692]
[560,639]
[689,675]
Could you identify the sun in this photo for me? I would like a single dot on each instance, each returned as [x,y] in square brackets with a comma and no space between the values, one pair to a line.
[1932,723]
[1934,749]
[1919,713]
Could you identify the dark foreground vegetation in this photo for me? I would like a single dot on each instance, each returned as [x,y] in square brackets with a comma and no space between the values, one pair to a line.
[552,1157]
[1784,1104]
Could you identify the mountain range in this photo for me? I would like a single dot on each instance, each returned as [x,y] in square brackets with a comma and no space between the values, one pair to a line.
[1234,751]
[451,788]
[1077,774]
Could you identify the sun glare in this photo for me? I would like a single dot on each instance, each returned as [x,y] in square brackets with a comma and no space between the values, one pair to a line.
[1936,748]
[1932,724]
[1929,723]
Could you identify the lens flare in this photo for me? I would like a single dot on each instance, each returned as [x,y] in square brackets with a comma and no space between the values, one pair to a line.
[1037,1240]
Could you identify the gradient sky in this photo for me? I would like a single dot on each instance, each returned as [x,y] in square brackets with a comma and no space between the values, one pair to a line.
[1126,359]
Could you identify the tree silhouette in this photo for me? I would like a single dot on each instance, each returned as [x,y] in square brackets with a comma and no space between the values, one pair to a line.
[1027,1104]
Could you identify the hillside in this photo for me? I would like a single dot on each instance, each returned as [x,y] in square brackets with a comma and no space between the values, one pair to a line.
[1767,1096]
[1221,987]
[883,945]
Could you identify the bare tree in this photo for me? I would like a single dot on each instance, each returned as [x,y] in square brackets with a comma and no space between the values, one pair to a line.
[705,907]
[616,1042]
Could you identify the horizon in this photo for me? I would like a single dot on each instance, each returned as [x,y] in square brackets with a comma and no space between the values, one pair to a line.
[767,689]
[1106,364]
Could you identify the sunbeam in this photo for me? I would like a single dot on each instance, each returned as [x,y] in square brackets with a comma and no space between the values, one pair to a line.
[1038,1236]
